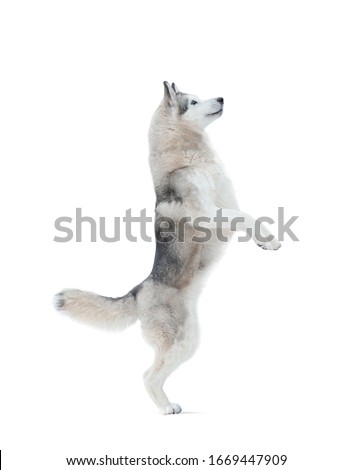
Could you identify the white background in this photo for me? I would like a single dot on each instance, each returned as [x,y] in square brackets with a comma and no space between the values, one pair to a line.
[79,82]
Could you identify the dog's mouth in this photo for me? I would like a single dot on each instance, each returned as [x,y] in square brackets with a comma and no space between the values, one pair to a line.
[215,114]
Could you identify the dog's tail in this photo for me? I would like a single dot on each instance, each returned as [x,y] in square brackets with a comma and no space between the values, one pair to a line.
[110,313]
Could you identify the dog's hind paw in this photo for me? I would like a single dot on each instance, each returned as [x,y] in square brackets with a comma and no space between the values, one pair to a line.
[171,409]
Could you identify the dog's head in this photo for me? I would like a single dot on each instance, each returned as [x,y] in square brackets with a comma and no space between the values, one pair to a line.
[190,108]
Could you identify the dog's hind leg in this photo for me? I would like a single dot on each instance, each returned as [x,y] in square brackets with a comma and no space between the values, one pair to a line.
[155,378]
[170,352]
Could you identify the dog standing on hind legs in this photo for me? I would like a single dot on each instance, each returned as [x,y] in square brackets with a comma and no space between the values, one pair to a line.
[190,185]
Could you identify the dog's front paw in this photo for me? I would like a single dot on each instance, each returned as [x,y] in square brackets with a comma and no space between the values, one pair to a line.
[274,244]
[170,409]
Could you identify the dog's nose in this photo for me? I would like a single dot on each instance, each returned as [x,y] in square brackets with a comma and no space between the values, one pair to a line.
[220,100]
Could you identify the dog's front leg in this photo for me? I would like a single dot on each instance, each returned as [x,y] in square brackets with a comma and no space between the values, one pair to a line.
[235,220]
[241,221]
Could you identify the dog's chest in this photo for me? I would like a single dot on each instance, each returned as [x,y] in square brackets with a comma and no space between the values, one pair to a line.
[209,180]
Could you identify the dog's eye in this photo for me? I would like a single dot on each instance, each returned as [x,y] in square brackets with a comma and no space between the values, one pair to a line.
[193,102]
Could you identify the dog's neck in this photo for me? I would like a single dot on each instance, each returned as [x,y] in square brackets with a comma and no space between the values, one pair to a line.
[175,144]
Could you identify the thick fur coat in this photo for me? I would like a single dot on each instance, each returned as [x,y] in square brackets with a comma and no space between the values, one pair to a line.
[191,187]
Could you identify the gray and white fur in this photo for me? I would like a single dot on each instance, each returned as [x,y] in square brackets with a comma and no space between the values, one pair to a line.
[189,181]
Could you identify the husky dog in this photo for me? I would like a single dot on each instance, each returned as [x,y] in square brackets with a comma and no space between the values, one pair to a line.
[190,183]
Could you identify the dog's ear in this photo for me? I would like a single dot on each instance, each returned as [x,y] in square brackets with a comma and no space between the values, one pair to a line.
[169,94]
[175,88]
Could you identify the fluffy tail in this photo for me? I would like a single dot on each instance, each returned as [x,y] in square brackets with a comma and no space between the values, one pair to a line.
[97,310]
